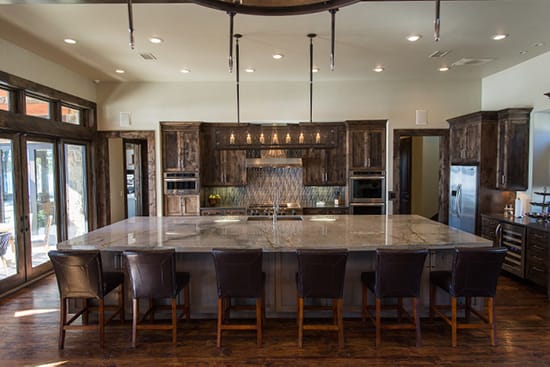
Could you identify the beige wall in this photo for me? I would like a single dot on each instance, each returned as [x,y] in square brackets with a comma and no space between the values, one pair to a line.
[395,100]
[116,179]
[22,63]
[425,175]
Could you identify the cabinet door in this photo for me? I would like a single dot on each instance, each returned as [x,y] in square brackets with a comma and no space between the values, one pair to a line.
[513,154]
[471,143]
[376,149]
[313,171]
[335,167]
[189,150]
[233,164]
[536,266]
[170,150]
[358,146]
[172,205]
[457,137]
[190,205]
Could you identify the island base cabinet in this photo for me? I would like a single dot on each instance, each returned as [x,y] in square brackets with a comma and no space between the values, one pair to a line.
[181,205]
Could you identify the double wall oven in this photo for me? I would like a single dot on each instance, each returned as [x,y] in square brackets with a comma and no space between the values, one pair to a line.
[181,183]
[367,192]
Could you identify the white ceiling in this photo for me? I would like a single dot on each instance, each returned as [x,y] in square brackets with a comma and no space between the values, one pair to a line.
[197,38]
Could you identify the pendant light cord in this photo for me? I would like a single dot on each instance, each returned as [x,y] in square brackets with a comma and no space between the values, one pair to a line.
[231,27]
[131,24]
[437,21]
[311,36]
[332,36]
[237,36]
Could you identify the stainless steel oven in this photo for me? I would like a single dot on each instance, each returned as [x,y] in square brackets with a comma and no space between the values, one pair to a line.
[181,183]
[367,208]
[367,188]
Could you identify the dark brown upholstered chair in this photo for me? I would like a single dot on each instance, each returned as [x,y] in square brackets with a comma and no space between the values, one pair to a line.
[321,274]
[474,274]
[80,275]
[397,274]
[239,275]
[153,276]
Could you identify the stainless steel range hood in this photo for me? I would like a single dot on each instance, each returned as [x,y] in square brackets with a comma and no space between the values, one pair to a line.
[275,158]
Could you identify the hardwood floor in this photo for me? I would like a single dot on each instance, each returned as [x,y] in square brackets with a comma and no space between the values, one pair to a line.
[30,339]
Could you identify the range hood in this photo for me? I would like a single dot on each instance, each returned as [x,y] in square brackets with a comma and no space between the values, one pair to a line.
[275,158]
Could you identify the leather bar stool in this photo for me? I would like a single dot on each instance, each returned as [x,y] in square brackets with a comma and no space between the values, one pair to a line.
[80,276]
[321,275]
[397,274]
[474,273]
[239,275]
[153,276]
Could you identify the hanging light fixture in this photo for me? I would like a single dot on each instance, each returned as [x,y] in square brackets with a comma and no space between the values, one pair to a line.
[437,21]
[237,37]
[332,36]
[131,24]
[231,27]
[311,37]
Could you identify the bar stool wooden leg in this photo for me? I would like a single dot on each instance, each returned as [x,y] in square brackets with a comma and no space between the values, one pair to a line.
[220,317]
[300,321]
[453,321]
[101,322]
[121,303]
[340,317]
[135,310]
[364,304]
[174,320]
[417,322]
[492,324]
[378,321]
[259,316]
[62,321]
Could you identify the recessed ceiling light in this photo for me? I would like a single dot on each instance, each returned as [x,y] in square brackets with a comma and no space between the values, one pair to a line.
[523,52]
[119,71]
[444,68]
[250,70]
[185,71]
[156,40]
[378,69]
[70,41]
[538,44]
[315,69]
[278,56]
[414,37]
[499,37]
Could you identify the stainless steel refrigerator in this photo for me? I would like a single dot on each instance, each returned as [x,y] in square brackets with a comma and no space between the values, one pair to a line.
[463,198]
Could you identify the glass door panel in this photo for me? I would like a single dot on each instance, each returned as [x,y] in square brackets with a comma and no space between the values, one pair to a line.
[75,190]
[8,249]
[42,181]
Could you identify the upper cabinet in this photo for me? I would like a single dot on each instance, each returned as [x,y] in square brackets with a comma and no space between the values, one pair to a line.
[465,141]
[513,149]
[367,145]
[326,167]
[220,167]
[180,147]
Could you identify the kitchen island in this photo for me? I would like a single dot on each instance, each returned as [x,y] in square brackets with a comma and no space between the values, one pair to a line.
[194,237]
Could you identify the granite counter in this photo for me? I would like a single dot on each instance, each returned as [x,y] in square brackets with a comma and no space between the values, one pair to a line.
[194,237]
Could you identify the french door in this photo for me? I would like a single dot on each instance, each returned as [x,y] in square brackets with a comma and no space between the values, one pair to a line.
[43,200]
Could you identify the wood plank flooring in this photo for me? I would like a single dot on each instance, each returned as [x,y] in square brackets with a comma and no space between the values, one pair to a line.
[523,319]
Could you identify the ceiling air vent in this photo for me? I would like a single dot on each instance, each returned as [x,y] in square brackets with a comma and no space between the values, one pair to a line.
[147,56]
[468,61]
[438,54]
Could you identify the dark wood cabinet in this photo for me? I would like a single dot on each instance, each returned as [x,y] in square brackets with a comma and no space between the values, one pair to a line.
[513,149]
[367,145]
[536,264]
[488,228]
[465,142]
[472,139]
[326,167]
[220,167]
[180,147]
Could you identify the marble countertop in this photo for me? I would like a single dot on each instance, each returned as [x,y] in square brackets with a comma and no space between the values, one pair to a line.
[201,234]
[523,221]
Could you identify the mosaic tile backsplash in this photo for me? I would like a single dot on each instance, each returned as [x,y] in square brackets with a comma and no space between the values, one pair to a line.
[264,184]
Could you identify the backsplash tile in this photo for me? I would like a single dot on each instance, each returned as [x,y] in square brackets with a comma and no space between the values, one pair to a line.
[264,183]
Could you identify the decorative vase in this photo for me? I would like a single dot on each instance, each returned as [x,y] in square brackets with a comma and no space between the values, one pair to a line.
[213,201]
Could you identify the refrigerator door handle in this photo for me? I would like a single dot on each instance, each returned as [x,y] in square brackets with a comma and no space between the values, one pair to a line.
[458,203]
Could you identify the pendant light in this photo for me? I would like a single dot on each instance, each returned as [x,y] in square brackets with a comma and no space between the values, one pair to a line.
[131,24]
[332,36]
[311,37]
[437,21]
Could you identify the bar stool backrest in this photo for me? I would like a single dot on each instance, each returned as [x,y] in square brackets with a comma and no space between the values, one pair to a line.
[475,271]
[78,273]
[321,273]
[398,272]
[238,272]
[152,273]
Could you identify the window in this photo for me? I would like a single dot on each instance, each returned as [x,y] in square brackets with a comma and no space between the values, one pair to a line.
[70,115]
[4,99]
[37,107]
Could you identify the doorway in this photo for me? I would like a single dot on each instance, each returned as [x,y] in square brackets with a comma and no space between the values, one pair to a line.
[135,172]
[421,172]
